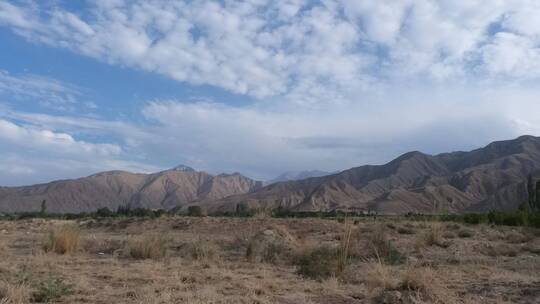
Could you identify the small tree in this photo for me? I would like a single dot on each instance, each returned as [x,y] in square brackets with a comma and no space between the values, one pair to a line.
[536,206]
[104,212]
[43,209]
[242,209]
[196,211]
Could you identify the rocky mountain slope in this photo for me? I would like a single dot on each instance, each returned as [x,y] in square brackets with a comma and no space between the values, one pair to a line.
[493,177]
[297,175]
[167,189]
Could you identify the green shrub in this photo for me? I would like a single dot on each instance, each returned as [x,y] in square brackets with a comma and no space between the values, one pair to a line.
[243,210]
[195,211]
[104,212]
[51,289]
[405,230]
[319,263]
[473,218]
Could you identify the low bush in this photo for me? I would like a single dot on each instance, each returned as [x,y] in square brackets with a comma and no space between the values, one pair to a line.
[405,230]
[499,250]
[52,288]
[271,245]
[465,233]
[516,237]
[63,240]
[381,247]
[195,211]
[318,263]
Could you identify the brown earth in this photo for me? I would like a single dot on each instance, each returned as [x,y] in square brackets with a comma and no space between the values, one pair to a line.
[205,262]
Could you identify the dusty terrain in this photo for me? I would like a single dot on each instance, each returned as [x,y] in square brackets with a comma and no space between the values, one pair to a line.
[224,260]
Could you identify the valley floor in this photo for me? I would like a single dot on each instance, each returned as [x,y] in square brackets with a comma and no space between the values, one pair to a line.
[266,260]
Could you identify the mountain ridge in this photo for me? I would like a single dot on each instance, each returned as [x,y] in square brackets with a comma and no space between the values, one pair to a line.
[161,190]
[492,177]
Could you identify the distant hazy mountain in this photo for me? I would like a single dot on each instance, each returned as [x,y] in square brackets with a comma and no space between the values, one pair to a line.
[168,189]
[297,175]
[493,177]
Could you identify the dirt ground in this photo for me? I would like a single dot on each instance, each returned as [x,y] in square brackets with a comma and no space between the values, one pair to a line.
[266,260]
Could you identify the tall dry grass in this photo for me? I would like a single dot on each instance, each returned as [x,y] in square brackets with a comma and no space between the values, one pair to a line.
[344,248]
[148,246]
[63,240]
[14,293]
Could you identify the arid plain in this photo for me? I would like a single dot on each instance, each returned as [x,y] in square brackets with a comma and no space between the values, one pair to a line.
[174,259]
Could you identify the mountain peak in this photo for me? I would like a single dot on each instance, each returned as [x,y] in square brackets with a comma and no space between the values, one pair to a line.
[183,168]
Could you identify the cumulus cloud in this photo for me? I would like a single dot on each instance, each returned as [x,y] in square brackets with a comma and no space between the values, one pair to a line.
[31,154]
[336,83]
[290,48]
[262,142]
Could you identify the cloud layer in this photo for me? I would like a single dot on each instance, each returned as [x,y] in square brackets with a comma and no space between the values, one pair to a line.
[333,84]
[305,51]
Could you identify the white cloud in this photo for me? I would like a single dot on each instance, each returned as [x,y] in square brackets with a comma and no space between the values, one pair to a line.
[61,143]
[45,91]
[288,48]
[32,154]
[339,83]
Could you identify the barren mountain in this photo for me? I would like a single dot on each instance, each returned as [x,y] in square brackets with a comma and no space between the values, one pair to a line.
[493,177]
[297,175]
[167,189]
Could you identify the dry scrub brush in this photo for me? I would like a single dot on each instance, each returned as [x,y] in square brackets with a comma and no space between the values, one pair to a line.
[63,240]
[433,236]
[381,247]
[148,246]
[204,250]
[410,285]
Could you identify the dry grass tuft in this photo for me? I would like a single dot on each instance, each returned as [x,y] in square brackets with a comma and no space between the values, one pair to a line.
[63,240]
[271,245]
[412,285]
[381,247]
[149,246]
[381,277]
[432,237]
[423,285]
[465,233]
[14,294]
[516,237]
[499,250]
[204,250]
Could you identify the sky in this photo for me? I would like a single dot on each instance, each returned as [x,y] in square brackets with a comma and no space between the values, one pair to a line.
[258,87]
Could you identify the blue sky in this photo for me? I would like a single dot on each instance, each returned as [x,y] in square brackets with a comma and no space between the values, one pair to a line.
[260,87]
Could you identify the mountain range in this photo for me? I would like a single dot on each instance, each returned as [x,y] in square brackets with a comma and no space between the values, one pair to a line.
[492,177]
[163,190]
